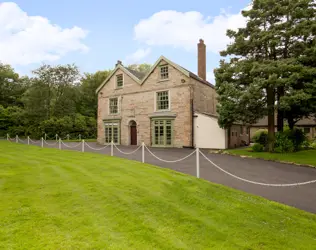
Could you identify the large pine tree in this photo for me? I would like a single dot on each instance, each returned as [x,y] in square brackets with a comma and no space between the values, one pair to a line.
[269,66]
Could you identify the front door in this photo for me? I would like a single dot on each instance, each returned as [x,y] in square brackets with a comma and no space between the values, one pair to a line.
[133,135]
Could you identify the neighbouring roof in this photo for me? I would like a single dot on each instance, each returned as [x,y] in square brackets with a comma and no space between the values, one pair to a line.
[139,75]
[304,122]
[140,78]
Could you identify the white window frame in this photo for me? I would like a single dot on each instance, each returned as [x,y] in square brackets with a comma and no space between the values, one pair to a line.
[169,98]
[118,105]
[117,87]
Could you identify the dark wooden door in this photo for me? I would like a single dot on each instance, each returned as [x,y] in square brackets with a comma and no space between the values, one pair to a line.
[133,135]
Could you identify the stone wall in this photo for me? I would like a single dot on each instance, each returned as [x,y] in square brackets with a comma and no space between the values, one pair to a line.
[204,98]
[238,135]
[137,102]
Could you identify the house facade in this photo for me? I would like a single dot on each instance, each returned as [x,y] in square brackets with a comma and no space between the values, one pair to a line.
[308,125]
[162,108]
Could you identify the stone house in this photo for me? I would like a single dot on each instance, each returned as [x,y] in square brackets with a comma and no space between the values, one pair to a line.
[308,125]
[168,107]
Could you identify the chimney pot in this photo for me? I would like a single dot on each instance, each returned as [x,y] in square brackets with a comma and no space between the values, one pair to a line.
[118,63]
[201,59]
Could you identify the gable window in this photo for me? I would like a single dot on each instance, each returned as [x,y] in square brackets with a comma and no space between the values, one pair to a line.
[164,72]
[113,106]
[119,81]
[162,100]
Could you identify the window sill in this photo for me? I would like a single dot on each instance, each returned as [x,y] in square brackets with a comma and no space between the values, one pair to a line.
[163,80]
[162,110]
[117,88]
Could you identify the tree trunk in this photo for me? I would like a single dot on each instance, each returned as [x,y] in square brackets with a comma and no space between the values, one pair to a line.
[280,118]
[291,122]
[270,104]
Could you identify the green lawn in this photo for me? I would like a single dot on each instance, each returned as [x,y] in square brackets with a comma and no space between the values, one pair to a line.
[307,157]
[52,199]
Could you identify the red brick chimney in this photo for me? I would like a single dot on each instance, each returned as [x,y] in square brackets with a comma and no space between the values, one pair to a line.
[202,59]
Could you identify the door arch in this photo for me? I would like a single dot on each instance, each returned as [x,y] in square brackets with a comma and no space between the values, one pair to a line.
[133,132]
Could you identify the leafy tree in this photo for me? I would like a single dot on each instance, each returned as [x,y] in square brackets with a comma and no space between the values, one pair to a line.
[143,68]
[52,91]
[11,87]
[88,102]
[264,68]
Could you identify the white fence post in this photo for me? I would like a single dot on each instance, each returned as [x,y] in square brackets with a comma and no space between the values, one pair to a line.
[197,162]
[82,148]
[16,138]
[42,142]
[68,137]
[143,152]
[56,137]
[59,144]
[28,140]
[111,148]
[8,137]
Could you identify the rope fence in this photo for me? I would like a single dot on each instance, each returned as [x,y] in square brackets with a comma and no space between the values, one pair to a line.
[197,153]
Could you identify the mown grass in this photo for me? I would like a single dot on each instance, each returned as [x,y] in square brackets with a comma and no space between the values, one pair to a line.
[305,157]
[53,199]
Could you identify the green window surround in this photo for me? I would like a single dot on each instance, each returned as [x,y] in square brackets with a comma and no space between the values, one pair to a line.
[113,106]
[112,130]
[162,132]
[162,100]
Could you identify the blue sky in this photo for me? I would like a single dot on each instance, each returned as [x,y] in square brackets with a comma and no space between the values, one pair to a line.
[95,34]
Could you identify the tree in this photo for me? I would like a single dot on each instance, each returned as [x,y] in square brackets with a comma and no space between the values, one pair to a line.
[88,102]
[11,88]
[264,62]
[143,68]
[52,91]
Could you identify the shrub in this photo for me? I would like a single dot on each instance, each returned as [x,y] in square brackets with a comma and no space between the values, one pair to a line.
[306,144]
[283,143]
[297,136]
[258,147]
[261,137]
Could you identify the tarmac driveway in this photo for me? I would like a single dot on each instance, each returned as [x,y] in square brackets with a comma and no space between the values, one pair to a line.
[302,197]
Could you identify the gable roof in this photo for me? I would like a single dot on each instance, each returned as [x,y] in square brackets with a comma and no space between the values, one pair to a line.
[140,77]
[303,122]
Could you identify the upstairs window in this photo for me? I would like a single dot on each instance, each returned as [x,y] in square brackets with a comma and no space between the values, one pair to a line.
[119,81]
[164,72]
[113,106]
[163,102]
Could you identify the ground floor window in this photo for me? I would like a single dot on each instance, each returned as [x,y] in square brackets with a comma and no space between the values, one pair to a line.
[162,132]
[307,130]
[112,131]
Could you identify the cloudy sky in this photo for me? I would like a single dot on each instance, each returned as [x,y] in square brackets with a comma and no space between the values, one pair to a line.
[95,34]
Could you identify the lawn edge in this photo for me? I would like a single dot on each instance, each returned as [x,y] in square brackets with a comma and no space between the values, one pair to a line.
[261,158]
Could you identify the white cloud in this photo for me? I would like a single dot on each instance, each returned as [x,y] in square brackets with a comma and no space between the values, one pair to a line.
[184,29]
[28,39]
[137,56]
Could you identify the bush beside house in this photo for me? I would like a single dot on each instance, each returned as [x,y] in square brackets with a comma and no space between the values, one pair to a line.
[285,142]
